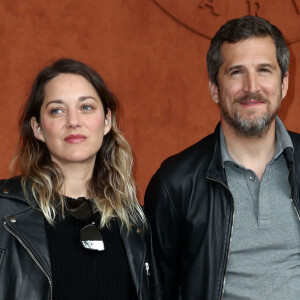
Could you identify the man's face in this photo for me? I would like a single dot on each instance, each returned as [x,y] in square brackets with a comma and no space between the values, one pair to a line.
[250,88]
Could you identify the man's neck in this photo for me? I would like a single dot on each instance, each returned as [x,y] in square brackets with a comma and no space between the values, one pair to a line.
[253,153]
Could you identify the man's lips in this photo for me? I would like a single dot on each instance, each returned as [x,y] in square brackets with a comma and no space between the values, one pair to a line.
[251,100]
[251,103]
[75,138]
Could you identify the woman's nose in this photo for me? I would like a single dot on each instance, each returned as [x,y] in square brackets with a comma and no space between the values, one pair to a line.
[73,119]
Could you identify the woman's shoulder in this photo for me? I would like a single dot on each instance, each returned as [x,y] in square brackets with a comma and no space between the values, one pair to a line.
[11,186]
[11,189]
[12,199]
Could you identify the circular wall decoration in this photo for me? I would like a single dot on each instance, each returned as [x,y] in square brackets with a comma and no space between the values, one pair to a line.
[205,17]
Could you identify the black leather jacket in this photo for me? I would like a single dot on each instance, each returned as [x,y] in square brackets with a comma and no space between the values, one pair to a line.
[191,210]
[25,270]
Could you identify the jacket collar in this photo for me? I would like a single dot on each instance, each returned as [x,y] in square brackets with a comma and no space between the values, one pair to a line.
[292,160]
[292,156]
[215,169]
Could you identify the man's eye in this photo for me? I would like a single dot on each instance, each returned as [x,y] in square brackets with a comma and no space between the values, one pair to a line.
[235,72]
[264,70]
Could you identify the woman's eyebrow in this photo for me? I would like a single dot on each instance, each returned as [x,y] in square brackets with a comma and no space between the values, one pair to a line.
[59,101]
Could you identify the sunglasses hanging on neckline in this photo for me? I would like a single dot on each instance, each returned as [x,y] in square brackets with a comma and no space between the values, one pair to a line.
[90,236]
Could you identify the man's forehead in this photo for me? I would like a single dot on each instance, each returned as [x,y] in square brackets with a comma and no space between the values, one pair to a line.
[255,39]
[260,48]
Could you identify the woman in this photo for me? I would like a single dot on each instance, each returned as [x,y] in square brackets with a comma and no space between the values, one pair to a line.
[72,226]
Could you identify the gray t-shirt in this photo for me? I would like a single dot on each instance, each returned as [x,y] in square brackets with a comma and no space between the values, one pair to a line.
[264,260]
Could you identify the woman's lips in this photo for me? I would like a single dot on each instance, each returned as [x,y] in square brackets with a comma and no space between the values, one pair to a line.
[75,138]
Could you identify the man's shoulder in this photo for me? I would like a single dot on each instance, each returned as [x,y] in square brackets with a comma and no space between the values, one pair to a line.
[295,137]
[178,176]
[193,158]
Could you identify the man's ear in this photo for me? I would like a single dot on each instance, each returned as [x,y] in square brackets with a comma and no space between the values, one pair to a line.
[214,91]
[37,130]
[107,122]
[285,84]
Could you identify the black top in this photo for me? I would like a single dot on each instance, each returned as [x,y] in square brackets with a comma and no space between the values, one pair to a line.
[80,273]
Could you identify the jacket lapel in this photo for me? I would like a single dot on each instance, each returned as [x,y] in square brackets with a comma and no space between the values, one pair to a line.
[28,226]
[135,247]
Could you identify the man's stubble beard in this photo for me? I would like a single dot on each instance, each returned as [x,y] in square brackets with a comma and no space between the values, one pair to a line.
[250,126]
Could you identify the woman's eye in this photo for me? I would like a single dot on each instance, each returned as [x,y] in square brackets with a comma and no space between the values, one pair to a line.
[87,107]
[56,111]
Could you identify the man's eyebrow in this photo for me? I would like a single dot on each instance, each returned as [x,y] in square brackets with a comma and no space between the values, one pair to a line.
[268,65]
[235,67]
[265,65]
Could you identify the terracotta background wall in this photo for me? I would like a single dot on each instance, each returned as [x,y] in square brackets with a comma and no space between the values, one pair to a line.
[152,55]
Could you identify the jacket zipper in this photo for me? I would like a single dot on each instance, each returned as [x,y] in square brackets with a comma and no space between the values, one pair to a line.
[228,253]
[147,268]
[230,236]
[31,254]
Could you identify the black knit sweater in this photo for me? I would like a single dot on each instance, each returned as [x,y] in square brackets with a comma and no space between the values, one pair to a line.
[79,273]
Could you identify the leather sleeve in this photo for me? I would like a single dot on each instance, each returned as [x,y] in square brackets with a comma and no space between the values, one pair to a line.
[166,236]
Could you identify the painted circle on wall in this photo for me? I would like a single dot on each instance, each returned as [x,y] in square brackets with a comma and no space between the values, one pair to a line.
[205,17]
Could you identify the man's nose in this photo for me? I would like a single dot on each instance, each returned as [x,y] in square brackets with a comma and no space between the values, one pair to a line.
[251,83]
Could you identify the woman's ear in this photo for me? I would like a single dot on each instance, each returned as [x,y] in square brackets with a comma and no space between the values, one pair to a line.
[107,122]
[37,130]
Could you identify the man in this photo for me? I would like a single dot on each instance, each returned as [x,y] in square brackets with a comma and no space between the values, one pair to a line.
[228,207]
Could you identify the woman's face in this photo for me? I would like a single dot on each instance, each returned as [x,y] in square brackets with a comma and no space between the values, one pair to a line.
[72,121]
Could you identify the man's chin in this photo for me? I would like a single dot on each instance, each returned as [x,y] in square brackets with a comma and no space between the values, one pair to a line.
[252,127]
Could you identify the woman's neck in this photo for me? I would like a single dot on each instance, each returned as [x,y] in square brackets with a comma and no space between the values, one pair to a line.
[76,178]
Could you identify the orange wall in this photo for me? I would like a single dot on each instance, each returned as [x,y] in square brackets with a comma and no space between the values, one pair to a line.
[154,64]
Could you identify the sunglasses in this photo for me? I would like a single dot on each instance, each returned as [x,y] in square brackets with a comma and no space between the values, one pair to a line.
[90,236]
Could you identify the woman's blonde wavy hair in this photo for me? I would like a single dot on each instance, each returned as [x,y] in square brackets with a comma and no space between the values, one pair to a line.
[112,186]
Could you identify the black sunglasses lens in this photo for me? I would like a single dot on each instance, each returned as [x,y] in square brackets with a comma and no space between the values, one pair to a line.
[80,209]
[91,238]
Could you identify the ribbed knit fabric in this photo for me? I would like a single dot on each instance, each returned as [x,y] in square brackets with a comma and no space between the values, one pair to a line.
[79,273]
